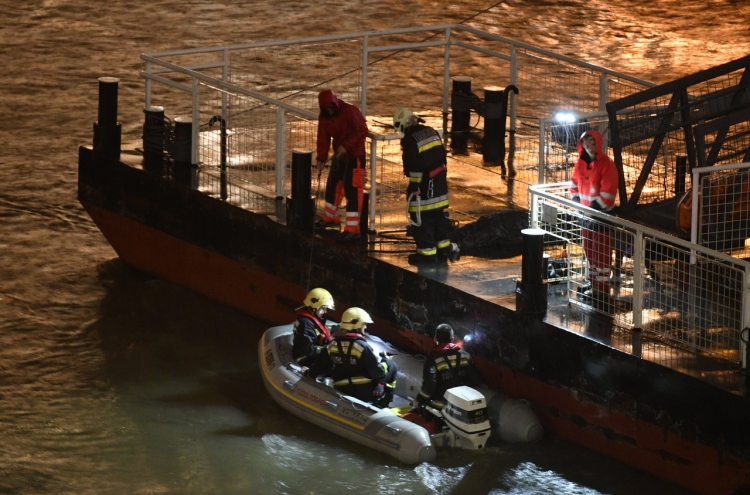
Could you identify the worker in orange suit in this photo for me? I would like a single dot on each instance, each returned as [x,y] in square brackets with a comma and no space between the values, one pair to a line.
[595,182]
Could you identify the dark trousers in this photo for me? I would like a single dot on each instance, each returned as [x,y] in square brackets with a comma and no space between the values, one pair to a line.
[432,235]
[339,186]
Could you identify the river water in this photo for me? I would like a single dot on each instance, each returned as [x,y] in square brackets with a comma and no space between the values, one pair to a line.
[113,382]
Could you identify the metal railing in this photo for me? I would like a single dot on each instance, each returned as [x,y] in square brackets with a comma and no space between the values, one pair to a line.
[252,104]
[261,91]
[721,220]
[657,283]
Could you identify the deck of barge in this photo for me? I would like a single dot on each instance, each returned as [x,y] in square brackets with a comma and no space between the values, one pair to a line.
[477,190]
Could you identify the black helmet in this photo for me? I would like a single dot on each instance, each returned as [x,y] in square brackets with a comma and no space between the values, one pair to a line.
[444,333]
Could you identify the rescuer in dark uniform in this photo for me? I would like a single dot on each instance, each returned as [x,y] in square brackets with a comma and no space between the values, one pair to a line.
[446,366]
[352,364]
[425,163]
[310,332]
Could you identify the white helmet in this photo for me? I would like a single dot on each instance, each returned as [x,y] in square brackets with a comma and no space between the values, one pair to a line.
[354,319]
[319,298]
[402,119]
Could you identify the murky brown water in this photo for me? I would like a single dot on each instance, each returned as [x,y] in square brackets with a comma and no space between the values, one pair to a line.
[113,382]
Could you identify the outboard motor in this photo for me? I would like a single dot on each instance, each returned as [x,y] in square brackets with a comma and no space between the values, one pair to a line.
[465,413]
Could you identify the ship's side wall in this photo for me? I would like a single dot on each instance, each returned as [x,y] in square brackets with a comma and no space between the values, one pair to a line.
[654,418]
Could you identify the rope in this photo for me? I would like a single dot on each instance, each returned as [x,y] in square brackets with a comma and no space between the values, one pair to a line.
[418,214]
[312,241]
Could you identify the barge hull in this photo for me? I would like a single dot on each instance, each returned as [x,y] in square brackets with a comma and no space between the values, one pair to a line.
[656,419]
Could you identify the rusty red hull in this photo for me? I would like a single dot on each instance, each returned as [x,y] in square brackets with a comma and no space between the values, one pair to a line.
[653,418]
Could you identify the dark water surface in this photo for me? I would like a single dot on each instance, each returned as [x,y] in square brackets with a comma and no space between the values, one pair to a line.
[113,382]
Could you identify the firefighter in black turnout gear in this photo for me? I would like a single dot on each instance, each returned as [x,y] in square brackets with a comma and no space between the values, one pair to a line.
[311,335]
[425,164]
[352,364]
[446,366]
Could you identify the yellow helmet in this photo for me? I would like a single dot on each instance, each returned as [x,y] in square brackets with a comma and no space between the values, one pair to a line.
[318,298]
[401,119]
[354,319]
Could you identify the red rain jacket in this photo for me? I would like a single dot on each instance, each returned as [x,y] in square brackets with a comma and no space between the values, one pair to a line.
[347,128]
[595,183]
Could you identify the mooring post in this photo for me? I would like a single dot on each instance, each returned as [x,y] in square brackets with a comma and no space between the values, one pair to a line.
[461,109]
[185,172]
[493,143]
[531,288]
[300,206]
[107,131]
[153,139]
[364,218]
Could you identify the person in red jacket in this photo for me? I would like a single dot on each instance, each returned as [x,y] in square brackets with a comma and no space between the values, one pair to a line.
[343,124]
[595,185]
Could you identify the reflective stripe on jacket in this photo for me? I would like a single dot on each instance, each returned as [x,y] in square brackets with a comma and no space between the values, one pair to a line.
[354,361]
[594,181]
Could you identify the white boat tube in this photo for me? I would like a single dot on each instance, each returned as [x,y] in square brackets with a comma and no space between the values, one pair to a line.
[316,402]
[346,416]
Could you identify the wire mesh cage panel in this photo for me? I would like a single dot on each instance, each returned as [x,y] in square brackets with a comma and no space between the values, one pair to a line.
[391,186]
[561,144]
[295,74]
[643,135]
[724,210]
[548,86]
[698,304]
[702,117]
[238,135]
[686,296]
[239,140]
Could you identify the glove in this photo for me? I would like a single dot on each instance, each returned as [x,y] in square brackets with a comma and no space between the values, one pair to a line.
[596,206]
[379,390]
[576,199]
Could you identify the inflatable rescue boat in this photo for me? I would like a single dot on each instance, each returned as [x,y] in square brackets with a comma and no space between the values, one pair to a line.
[470,415]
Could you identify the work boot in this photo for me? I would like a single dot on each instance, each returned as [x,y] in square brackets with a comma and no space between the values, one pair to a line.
[455,253]
[421,259]
[347,236]
[323,225]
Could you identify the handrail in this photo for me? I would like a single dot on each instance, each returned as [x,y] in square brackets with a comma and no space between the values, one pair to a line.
[226,86]
[539,190]
[154,56]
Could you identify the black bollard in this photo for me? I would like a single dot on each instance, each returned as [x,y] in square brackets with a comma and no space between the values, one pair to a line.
[493,143]
[154,132]
[531,288]
[461,109]
[364,218]
[185,172]
[300,206]
[107,131]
